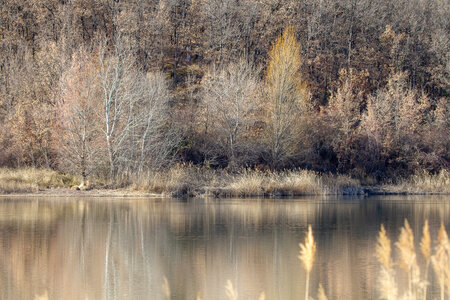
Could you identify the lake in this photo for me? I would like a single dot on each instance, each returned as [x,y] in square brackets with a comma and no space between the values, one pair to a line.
[123,248]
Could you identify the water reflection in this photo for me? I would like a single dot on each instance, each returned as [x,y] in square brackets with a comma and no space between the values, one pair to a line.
[122,249]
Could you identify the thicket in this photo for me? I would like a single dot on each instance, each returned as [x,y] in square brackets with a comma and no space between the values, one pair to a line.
[104,88]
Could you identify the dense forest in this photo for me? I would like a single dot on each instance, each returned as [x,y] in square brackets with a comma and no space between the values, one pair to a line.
[102,87]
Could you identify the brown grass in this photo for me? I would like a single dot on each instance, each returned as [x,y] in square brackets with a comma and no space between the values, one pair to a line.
[422,182]
[289,183]
[180,180]
[29,180]
[185,179]
[188,180]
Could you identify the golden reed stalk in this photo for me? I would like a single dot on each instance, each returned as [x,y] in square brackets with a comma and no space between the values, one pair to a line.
[417,286]
[307,252]
[425,247]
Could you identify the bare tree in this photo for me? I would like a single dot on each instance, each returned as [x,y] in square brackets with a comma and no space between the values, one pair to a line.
[135,112]
[78,116]
[231,94]
[155,136]
[122,90]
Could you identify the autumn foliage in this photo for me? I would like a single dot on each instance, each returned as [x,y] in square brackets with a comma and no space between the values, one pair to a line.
[121,87]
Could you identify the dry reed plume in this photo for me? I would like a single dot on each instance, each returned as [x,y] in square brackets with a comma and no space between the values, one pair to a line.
[388,286]
[44,296]
[425,247]
[231,291]
[166,287]
[307,252]
[441,262]
[407,261]
[321,293]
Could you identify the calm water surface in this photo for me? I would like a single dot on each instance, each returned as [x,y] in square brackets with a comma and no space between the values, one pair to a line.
[70,248]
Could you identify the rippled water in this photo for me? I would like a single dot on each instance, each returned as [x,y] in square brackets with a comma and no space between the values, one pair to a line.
[101,248]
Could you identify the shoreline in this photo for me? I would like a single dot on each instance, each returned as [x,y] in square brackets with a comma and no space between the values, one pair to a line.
[189,182]
[365,191]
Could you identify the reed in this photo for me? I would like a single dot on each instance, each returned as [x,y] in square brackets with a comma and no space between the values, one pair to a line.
[423,182]
[231,291]
[166,288]
[407,261]
[44,296]
[387,284]
[321,293]
[441,262]
[307,253]
[247,183]
[425,247]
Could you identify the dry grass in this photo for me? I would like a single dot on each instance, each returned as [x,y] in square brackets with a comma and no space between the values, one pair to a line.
[188,180]
[246,183]
[180,180]
[423,182]
[31,180]
[290,183]
[185,179]
[417,284]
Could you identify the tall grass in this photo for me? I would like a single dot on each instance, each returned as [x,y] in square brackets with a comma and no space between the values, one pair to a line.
[181,179]
[31,180]
[290,183]
[423,182]
[185,179]
[407,260]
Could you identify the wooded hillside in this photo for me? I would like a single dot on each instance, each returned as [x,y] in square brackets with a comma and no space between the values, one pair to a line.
[101,87]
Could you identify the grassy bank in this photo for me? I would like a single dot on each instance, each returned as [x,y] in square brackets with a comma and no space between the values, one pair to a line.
[421,183]
[30,180]
[192,181]
[186,180]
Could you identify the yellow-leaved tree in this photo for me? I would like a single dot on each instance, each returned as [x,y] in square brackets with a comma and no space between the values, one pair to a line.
[287,97]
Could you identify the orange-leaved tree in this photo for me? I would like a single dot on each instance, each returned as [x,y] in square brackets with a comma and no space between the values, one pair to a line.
[287,97]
